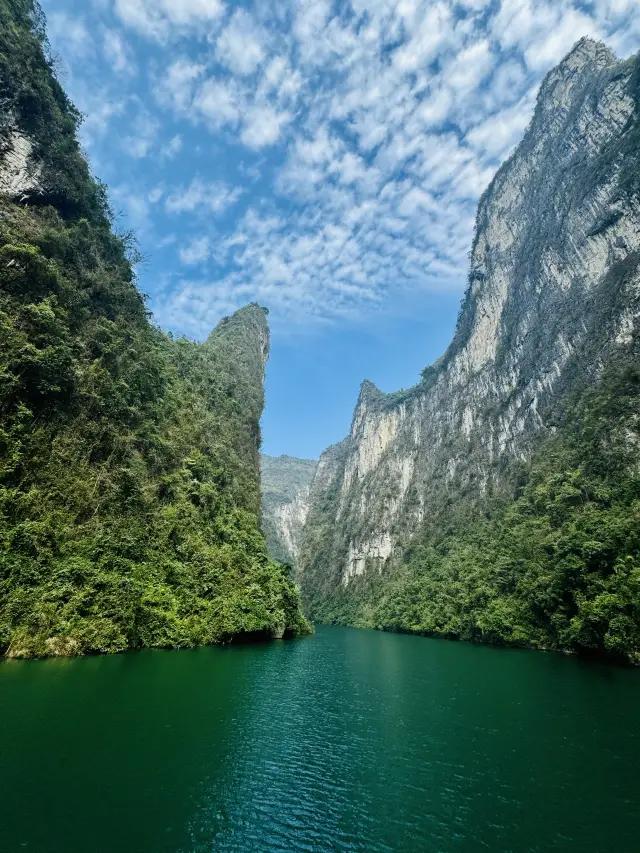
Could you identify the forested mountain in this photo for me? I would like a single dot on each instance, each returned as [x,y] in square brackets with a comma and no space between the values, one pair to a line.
[129,463]
[285,503]
[499,499]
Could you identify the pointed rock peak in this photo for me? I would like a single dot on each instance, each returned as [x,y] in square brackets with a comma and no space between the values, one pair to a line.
[244,335]
[588,49]
[253,314]
[252,317]
[368,391]
[586,57]
[369,398]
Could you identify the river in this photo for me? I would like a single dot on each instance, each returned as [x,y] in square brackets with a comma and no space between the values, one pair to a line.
[346,741]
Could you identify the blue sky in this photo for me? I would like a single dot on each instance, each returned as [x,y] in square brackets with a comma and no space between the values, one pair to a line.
[322,158]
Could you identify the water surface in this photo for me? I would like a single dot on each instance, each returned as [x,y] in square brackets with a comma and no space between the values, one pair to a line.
[346,741]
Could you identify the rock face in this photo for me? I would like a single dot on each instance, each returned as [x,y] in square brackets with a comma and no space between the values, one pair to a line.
[553,290]
[19,170]
[286,483]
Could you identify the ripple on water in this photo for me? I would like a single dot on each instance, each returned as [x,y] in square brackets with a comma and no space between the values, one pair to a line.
[376,743]
[347,742]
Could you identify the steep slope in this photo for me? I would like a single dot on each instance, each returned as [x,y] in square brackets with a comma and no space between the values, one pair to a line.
[129,463]
[553,298]
[285,502]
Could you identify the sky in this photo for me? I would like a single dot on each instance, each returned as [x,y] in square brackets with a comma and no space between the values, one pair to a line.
[324,159]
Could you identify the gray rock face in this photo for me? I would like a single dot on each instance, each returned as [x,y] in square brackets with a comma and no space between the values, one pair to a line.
[19,171]
[553,288]
[285,503]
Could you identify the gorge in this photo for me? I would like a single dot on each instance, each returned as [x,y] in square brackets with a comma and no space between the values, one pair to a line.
[162,686]
[497,500]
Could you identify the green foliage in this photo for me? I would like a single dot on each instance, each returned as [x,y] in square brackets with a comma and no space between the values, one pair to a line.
[541,554]
[34,102]
[129,480]
[558,567]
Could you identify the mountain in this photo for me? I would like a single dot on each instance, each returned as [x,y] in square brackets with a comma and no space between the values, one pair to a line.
[450,508]
[285,503]
[129,463]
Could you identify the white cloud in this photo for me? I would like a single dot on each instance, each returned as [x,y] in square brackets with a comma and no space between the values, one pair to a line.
[240,44]
[433,33]
[172,148]
[145,131]
[116,52]
[275,72]
[280,83]
[436,107]
[176,87]
[196,252]
[415,200]
[263,126]
[218,102]
[214,196]
[159,19]
[310,22]
[470,67]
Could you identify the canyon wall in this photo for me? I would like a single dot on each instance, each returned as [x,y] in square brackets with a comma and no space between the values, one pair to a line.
[553,291]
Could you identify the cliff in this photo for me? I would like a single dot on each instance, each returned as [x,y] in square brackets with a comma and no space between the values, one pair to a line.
[129,463]
[552,299]
[286,482]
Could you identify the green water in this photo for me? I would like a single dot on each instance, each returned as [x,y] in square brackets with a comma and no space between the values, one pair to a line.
[346,741]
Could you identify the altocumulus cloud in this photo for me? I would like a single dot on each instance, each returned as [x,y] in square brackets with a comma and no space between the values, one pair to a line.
[323,158]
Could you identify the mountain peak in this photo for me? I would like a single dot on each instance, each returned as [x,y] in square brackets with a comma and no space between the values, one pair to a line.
[248,327]
[589,48]
[369,392]
[574,72]
[368,387]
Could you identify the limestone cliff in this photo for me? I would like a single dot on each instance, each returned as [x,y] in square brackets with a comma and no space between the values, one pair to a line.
[286,483]
[553,291]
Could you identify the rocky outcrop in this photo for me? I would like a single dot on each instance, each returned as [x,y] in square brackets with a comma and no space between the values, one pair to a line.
[553,289]
[286,484]
[19,171]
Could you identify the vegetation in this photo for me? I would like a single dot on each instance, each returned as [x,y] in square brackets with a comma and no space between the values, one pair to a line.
[129,481]
[558,567]
[541,553]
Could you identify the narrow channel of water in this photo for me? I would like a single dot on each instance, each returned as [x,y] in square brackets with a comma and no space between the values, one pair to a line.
[346,741]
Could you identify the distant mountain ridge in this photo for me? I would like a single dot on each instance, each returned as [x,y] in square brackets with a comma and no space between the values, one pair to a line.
[285,503]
